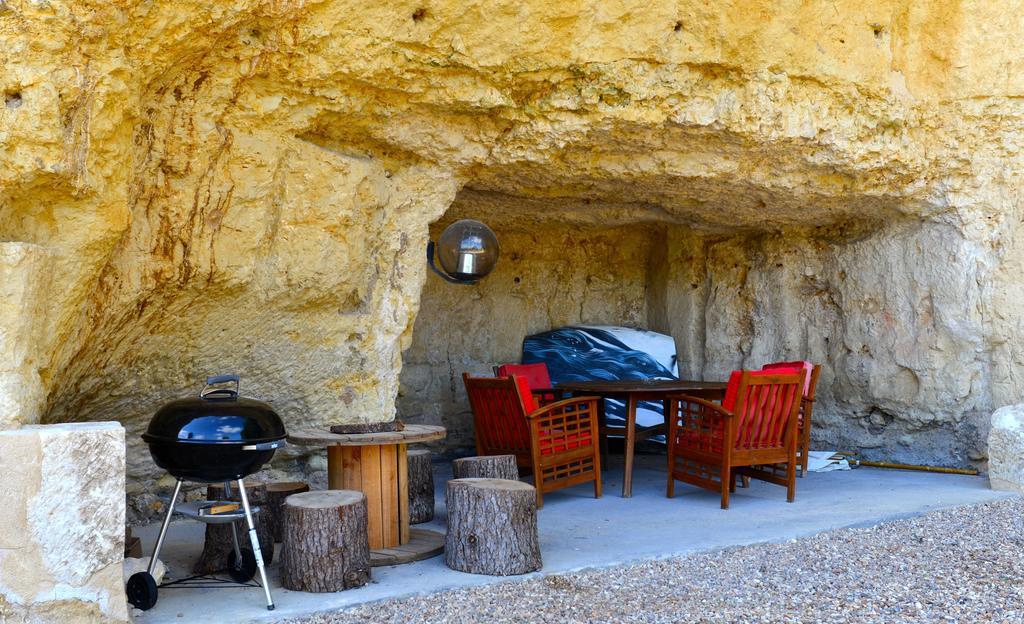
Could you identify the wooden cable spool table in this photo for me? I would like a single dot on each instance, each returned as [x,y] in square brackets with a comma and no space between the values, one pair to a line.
[376,464]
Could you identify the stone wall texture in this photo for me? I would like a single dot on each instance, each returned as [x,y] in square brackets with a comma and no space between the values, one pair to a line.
[191,188]
[1006,449]
[62,510]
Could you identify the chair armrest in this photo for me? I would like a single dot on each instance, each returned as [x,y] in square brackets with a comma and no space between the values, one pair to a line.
[698,424]
[562,405]
[706,410]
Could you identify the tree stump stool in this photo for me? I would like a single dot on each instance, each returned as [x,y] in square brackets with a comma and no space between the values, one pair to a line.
[492,527]
[273,513]
[326,548]
[218,545]
[486,467]
[421,487]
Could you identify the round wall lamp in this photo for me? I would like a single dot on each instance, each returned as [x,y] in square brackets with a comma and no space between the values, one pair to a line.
[467,251]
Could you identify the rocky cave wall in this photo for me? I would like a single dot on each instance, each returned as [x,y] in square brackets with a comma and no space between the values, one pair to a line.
[188,188]
[550,276]
[894,314]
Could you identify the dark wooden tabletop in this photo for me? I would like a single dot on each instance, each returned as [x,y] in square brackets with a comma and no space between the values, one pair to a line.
[641,386]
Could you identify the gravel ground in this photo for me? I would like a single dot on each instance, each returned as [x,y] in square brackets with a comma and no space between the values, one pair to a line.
[960,565]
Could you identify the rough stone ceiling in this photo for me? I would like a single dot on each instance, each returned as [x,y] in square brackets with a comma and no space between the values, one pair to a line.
[731,213]
[706,175]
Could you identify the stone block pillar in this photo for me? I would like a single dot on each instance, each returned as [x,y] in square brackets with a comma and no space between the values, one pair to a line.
[24,268]
[62,512]
[1006,449]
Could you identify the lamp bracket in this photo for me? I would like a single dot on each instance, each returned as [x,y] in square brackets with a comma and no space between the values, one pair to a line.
[442,274]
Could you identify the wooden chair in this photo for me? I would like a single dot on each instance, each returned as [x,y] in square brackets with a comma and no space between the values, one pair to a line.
[803,422]
[558,441]
[710,444]
[544,392]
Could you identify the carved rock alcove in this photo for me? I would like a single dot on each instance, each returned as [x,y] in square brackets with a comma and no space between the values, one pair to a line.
[188,189]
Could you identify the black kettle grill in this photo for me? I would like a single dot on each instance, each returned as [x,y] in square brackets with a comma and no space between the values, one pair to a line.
[217,437]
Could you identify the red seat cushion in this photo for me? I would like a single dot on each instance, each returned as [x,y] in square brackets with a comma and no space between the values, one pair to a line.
[536,375]
[567,442]
[733,387]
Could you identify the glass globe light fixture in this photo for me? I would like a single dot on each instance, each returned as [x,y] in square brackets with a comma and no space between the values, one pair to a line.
[467,250]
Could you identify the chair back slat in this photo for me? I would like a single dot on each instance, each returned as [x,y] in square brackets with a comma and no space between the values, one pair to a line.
[809,371]
[765,405]
[499,416]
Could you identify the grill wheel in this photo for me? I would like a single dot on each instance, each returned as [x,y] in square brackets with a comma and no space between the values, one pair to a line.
[242,572]
[141,590]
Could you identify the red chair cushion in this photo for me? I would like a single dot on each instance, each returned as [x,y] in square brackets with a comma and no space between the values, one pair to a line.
[536,375]
[802,366]
[529,403]
[733,387]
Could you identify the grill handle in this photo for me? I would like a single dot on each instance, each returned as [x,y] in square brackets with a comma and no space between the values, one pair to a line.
[264,446]
[220,393]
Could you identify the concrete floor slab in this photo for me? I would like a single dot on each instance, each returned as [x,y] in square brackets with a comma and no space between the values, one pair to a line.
[578,532]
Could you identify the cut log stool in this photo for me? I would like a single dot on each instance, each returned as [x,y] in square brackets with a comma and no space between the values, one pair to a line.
[486,467]
[326,548]
[492,527]
[421,487]
[273,513]
[218,545]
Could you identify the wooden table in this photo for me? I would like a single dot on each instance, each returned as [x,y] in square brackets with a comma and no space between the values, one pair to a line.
[376,465]
[633,392]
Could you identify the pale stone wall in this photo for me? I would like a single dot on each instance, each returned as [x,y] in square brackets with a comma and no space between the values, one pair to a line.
[23,308]
[1006,449]
[62,513]
[895,316]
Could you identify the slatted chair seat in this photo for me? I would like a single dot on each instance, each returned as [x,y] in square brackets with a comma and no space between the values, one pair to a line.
[557,441]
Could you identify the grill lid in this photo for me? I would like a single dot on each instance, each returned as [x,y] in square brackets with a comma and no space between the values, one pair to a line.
[216,416]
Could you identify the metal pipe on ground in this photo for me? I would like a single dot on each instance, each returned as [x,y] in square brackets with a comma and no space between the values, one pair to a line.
[960,471]
[973,472]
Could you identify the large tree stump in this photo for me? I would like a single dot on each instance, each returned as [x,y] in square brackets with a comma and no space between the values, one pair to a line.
[421,487]
[326,548]
[217,547]
[492,527]
[273,513]
[486,467]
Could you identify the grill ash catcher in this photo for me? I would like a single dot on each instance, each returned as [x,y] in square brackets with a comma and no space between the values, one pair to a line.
[219,437]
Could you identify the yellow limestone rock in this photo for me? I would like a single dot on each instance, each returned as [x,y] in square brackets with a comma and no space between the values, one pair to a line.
[191,188]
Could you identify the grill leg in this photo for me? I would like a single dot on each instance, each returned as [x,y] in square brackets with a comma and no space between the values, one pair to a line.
[234,543]
[234,528]
[163,529]
[255,541]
